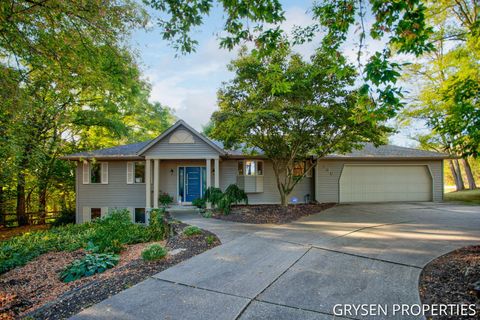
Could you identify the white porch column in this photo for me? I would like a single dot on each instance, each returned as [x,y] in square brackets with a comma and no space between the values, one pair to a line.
[156,170]
[217,173]
[148,184]
[209,173]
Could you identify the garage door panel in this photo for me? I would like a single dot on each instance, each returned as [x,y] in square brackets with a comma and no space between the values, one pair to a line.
[381,183]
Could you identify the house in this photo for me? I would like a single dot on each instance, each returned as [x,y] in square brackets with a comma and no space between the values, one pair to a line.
[183,163]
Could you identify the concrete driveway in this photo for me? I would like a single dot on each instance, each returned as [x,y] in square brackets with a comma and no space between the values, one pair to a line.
[349,254]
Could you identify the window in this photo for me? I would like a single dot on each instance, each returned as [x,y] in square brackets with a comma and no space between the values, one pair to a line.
[95,172]
[139,172]
[240,168]
[139,215]
[250,168]
[95,213]
[299,168]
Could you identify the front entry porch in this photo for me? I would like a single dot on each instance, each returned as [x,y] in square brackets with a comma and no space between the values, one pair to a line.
[183,179]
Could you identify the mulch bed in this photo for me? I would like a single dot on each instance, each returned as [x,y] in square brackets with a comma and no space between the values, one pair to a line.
[272,213]
[34,290]
[449,278]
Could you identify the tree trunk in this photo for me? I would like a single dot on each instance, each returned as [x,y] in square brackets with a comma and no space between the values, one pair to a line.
[470,178]
[42,203]
[454,173]
[2,206]
[283,198]
[461,185]
[20,210]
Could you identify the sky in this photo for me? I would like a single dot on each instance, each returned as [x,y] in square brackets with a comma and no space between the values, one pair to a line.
[188,83]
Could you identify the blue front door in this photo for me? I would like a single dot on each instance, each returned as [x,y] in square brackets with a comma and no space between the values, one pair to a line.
[193,183]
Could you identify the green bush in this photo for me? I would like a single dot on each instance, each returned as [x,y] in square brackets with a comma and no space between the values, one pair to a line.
[213,195]
[210,239]
[159,225]
[235,194]
[165,199]
[66,216]
[107,235]
[88,266]
[200,203]
[224,200]
[154,252]
[207,214]
[191,231]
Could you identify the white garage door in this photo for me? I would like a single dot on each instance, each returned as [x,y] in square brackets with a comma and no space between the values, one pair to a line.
[381,183]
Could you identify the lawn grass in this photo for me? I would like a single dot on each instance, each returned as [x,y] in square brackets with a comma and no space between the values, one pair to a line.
[467,196]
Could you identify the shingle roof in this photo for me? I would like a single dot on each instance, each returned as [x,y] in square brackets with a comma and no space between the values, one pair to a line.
[128,150]
[388,151]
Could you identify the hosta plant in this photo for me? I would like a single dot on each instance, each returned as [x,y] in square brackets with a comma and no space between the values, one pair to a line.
[91,264]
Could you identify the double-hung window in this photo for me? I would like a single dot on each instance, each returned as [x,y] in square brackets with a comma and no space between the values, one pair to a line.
[250,168]
[95,172]
[136,172]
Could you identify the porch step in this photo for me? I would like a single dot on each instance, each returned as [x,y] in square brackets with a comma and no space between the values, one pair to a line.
[181,208]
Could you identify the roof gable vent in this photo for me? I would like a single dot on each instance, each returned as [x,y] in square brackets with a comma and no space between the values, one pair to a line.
[181,136]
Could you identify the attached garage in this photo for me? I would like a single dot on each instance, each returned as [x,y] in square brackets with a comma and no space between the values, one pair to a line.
[380,174]
[385,183]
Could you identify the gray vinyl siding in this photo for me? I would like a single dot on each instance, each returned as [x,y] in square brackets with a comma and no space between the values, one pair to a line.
[199,149]
[116,194]
[327,176]
[270,195]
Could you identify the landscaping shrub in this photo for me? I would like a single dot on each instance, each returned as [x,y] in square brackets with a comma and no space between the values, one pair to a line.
[91,264]
[66,216]
[213,195]
[165,199]
[108,235]
[192,231]
[235,194]
[116,229]
[154,252]
[224,200]
[200,203]
[210,240]
[159,225]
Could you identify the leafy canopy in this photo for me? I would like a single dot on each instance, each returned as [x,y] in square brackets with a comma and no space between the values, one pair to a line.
[293,109]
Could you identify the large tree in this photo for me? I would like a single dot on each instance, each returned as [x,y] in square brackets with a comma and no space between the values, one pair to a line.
[447,85]
[293,110]
[69,76]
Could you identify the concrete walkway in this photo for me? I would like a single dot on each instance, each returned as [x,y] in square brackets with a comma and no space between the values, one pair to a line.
[349,254]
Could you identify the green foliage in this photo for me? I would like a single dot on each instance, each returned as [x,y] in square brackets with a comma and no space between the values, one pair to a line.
[207,214]
[448,80]
[67,216]
[210,239]
[199,203]
[192,231]
[235,194]
[159,225]
[213,195]
[165,199]
[244,21]
[154,252]
[105,235]
[293,109]
[88,266]
[224,200]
